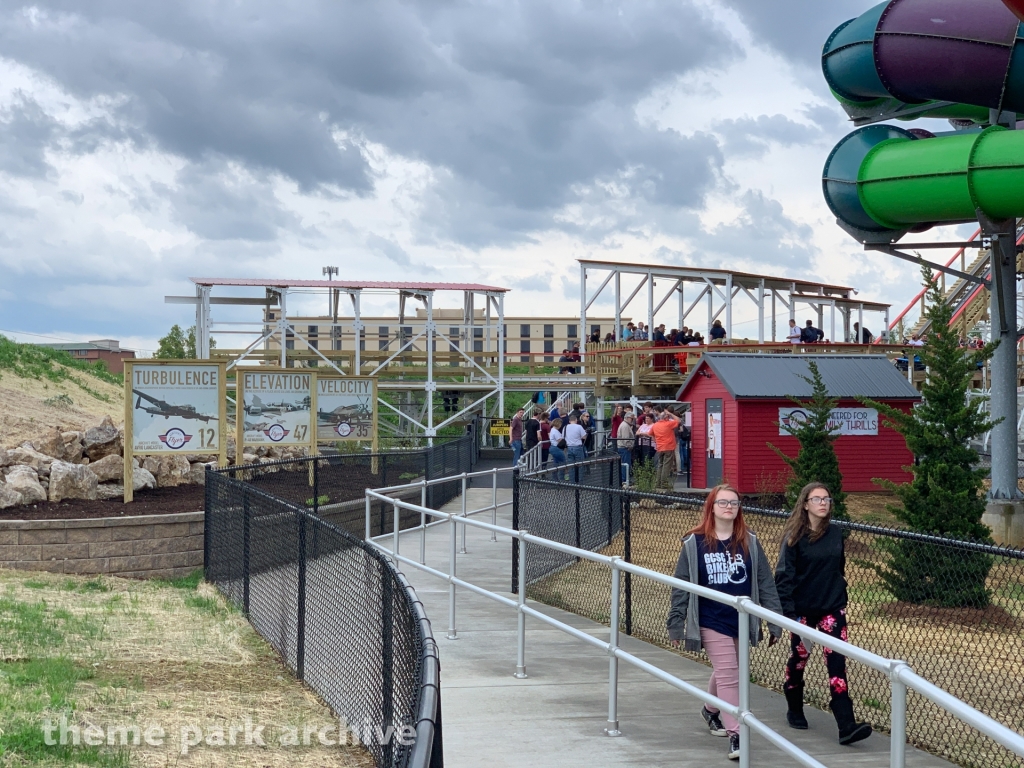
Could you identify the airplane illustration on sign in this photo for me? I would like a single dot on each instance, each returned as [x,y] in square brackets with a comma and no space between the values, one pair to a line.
[165,409]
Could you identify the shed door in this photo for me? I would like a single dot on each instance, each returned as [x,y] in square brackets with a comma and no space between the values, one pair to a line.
[713,443]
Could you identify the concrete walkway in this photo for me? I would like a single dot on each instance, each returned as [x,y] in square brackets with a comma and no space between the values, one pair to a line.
[555,717]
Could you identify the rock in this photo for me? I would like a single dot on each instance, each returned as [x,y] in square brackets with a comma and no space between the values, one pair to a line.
[248,458]
[197,474]
[142,479]
[72,446]
[40,462]
[9,497]
[5,458]
[49,443]
[108,468]
[25,481]
[110,491]
[71,481]
[169,471]
[104,440]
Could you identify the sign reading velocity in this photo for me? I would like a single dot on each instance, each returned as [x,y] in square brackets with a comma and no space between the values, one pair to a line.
[346,409]
[276,407]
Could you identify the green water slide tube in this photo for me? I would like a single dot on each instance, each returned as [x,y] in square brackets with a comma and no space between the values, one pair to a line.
[882,180]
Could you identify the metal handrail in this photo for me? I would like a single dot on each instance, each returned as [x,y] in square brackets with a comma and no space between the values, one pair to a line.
[900,675]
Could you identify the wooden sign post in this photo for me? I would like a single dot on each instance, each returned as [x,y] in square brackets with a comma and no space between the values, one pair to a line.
[173,407]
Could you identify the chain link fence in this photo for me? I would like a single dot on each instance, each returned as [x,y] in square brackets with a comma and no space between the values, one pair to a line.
[343,619]
[953,610]
[333,485]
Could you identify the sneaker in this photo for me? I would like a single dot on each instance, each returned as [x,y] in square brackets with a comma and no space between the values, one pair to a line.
[714,722]
[734,746]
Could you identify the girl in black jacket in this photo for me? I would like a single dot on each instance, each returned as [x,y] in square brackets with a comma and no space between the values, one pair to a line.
[811,582]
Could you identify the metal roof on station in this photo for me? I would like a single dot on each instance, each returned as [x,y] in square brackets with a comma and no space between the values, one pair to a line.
[781,376]
[346,284]
[745,279]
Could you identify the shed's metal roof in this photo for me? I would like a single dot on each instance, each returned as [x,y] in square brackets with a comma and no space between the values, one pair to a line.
[778,376]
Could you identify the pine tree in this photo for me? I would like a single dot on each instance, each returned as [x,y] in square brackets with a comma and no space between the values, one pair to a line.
[946,496]
[816,460]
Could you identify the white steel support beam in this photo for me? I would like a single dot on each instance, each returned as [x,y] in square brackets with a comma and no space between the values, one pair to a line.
[668,295]
[431,386]
[643,282]
[760,312]
[583,288]
[358,328]
[650,305]
[502,350]
[282,324]
[583,312]
[728,307]
[682,303]
[618,305]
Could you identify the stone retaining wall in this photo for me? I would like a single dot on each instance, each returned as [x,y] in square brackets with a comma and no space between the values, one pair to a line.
[146,546]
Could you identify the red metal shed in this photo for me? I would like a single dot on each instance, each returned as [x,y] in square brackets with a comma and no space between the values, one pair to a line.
[740,404]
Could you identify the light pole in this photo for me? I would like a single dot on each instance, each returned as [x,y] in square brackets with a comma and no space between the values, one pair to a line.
[332,305]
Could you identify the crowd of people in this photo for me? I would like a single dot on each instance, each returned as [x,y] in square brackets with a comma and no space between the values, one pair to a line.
[809,586]
[562,440]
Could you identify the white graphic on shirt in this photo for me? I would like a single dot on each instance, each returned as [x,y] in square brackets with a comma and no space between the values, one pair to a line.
[724,568]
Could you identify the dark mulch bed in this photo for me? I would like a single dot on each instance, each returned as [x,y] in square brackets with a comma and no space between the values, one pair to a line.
[992,616]
[159,501]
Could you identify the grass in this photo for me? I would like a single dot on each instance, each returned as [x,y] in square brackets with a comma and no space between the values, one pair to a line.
[29,361]
[115,653]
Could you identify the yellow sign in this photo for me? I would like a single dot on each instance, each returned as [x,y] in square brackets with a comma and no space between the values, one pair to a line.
[501,427]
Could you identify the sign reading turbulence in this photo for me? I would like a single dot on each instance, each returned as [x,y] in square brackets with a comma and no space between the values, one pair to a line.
[346,409]
[172,406]
[175,408]
[845,421]
[276,407]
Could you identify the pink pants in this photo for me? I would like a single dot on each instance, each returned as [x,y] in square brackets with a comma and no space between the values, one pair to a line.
[725,677]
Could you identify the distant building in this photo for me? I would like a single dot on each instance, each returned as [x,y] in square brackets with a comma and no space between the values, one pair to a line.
[107,351]
[537,339]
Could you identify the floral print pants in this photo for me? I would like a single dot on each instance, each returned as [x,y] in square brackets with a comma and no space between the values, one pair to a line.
[835,625]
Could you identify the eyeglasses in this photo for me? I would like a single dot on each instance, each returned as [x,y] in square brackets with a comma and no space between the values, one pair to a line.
[820,500]
[727,503]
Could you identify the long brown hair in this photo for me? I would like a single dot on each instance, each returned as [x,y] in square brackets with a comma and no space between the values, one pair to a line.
[706,526]
[799,524]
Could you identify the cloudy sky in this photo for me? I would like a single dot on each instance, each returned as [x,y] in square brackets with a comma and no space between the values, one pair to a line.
[143,143]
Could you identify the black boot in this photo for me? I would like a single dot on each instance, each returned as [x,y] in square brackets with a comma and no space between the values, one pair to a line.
[850,730]
[795,715]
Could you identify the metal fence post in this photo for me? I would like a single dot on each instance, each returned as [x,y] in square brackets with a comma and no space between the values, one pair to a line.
[369,507]
[627,555]
[898,722]
[423,523]
[300,610]
[579,533]
[245,551]
[515,526]
[394,532]
[612,729]
[494,502]
[451,578]
[387,660]
[463,550]
[207,498]
[521,618]
[744,704]
[316,486]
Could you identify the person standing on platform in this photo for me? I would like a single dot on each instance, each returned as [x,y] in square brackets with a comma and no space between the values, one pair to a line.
[723,554]
[531,431]
[545,439]
[624,439]
[575,451]
[556,449]
[664,433]
[516,436]
[811,582]
[794,332]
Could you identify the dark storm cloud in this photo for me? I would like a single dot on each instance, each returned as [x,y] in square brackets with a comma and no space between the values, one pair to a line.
[797,28]
[517,103]
[752,136]
[25,133]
